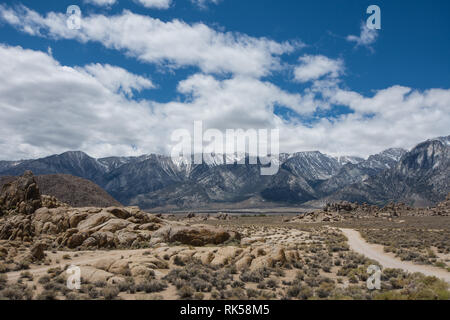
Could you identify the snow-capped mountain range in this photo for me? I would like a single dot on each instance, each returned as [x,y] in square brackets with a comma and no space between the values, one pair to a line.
[157,181]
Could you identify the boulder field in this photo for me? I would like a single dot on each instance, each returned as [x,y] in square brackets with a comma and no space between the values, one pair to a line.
[25,217]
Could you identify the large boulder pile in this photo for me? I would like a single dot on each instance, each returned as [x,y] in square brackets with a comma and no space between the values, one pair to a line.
[51,202]
[32,217]
[192,217]
[442,209]
[333,212]
[338,211]
[395,210]
[196,235]
[21,195]
[113,227]
[317,216]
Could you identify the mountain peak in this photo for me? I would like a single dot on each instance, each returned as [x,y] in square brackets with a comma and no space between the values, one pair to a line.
[75,154]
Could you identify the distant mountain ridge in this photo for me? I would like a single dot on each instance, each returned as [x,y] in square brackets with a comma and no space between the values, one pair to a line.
[419,176]
[75,191]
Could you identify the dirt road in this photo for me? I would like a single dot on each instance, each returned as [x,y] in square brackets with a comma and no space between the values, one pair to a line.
[388,260]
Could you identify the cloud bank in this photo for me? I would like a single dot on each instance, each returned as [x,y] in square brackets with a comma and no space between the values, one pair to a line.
[50,108]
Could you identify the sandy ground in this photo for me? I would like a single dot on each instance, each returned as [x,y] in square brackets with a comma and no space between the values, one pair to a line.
[388,260]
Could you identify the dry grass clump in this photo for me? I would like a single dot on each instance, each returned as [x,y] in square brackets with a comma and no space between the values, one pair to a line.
[17,291]
[152,286]
[196,277]
[416,286]
[411,244]
[110,292]
[255,276]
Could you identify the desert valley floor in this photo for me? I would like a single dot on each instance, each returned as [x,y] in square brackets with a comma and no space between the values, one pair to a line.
[274,259]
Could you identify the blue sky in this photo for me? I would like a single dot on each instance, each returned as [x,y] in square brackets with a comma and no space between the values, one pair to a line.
[345,106]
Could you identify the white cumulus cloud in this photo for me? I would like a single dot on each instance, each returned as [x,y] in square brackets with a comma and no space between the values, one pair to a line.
[175,43]
[117,79]
[318,66]
[155,4]
[366,38]
[101,2]
[204,3]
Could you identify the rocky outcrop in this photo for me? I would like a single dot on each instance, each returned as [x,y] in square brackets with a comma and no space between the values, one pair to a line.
[443,208]
[21,195]
[51,202]
[316,217]
[113,227]
[197,235]
[90,227]
[37,251]
[339,211]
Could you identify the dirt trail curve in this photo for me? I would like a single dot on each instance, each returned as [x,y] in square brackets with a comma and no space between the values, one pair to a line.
[387,260]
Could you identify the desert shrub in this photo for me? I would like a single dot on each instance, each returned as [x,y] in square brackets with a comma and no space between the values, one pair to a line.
[326,268]
[280,272]
[391,273]
[423,287]
[201,285]
[312,281]
[50,286]
[100,284]
[252,293]
[73,296]
[389,295]
[93,293]
[17,292]
[151,286]
[325,289]
[312,272]
[306,292]
[110,292]
[47,295]
[261,252]
[53,272]
[215,294]
[252,276]
[238,293]
[44,279]
[3,268]
[300,275]
[232,268]
[272,283]
[238,284]
[23,264]
[199,296]
[353,279]
[178,261]
[293,291]
[186,292]
[127,285]
[262,285]
[26,275]
[268,295]
[179,283]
